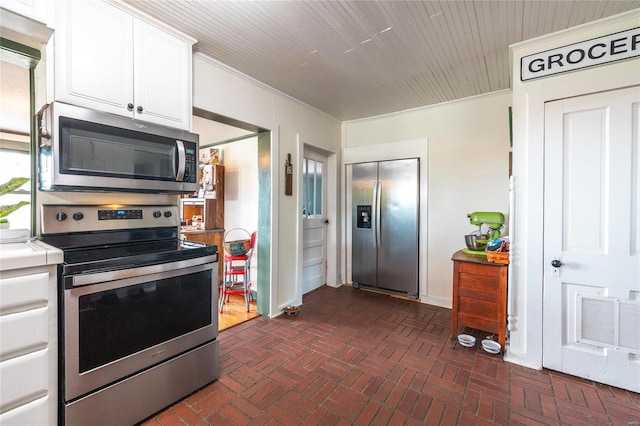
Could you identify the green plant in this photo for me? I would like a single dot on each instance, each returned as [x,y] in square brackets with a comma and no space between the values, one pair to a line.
[12,185]
[6,188]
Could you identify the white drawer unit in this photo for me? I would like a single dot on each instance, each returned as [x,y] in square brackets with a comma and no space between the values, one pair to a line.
[22,292]
[28,326]
[33,413]
[17,391]
[23,332]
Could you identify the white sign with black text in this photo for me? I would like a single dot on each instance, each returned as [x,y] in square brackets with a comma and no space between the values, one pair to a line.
[597,51]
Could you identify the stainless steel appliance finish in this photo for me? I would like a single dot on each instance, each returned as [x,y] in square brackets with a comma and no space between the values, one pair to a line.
[138,311]
[85,150]
[140,395]
[385,206]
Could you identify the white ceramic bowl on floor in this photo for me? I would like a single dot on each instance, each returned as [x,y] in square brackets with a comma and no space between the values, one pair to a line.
[466,340]
[491,346]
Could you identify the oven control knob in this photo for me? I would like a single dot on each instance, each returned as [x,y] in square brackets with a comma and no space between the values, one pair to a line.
[167,214]
[78,216]
[157,214]
[61,216]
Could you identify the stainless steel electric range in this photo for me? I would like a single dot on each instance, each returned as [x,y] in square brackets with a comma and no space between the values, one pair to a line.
[138,319]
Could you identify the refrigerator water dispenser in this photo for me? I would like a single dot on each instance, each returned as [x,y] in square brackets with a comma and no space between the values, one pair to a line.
[364,217]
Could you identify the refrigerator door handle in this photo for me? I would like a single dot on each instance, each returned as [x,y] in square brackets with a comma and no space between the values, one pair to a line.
[374,215]
[377,195]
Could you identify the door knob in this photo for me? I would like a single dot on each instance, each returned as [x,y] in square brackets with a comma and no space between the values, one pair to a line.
[556,263]
[139,109]
[130,106]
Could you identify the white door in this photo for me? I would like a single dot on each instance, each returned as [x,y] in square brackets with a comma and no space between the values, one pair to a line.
[592,237]
[314,217]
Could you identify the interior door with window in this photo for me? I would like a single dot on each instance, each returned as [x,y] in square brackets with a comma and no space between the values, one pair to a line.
[314,218]
[591,306]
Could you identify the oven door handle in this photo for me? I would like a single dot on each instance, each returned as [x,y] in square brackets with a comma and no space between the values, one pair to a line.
[120,274]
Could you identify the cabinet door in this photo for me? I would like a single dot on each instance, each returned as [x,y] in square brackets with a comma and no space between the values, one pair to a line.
[94,56]
[162,77]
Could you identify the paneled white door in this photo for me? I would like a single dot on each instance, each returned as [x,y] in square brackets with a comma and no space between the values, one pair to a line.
[314,245]
[591,308]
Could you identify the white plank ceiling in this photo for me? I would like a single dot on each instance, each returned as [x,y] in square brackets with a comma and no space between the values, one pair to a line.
[355,59]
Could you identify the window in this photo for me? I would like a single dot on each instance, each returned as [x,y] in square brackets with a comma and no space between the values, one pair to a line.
[16,203]
[16,115]
[312,175]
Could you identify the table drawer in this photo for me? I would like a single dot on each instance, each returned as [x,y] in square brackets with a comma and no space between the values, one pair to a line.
[478,308]
[478,269]
[478,286]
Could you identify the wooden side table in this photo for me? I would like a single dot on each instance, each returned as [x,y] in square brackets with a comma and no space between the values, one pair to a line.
[479,295]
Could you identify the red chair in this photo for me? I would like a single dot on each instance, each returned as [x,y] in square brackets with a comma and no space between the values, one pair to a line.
[237,279]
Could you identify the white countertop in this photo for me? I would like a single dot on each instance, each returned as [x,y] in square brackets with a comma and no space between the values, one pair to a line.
[28,254]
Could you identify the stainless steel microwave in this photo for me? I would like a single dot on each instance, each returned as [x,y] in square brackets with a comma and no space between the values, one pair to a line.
[86,150]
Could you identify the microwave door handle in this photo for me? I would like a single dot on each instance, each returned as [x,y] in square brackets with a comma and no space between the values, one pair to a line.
[44,121]
[181,161]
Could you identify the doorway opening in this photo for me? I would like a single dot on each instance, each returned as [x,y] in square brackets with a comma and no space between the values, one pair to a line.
[244,150]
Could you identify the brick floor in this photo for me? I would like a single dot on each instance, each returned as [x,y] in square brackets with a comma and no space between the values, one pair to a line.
[356,357]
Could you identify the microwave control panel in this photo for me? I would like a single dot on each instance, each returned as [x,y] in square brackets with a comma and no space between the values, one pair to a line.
[191,166]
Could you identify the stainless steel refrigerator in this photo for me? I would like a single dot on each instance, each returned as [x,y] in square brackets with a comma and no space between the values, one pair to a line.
[385,204]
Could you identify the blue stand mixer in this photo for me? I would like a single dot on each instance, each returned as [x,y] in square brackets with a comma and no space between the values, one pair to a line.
[477,240]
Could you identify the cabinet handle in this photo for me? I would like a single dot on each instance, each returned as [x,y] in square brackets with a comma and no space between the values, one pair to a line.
[130,107]
[139,109]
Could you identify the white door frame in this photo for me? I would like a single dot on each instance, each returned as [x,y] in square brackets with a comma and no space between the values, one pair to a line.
[416,148]
[331,208]
[314,225]
[529,98]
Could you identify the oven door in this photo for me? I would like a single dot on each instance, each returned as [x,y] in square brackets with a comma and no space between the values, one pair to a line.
[125,321]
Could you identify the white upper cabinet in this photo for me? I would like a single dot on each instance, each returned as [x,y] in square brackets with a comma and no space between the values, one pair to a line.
[32,9]
[162,77]
[108,60]
[26,22]
[94,56]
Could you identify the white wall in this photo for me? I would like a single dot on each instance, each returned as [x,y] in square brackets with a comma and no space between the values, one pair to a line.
[468,154]
[224,91]
[240,161]
[528,167]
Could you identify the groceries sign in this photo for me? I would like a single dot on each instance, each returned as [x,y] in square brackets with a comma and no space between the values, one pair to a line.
[598,51]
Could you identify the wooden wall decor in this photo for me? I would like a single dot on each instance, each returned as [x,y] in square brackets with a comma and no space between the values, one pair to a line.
[288,176]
